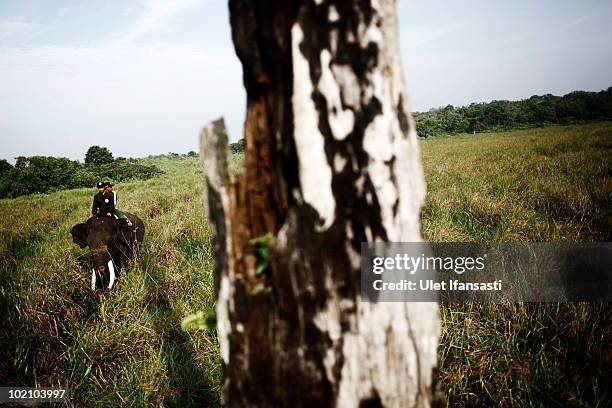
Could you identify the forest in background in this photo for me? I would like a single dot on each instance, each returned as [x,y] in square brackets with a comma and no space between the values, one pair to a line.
[537,111]
[576,107]
[45,174]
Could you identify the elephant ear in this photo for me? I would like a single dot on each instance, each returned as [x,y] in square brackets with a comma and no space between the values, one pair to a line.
[79,235]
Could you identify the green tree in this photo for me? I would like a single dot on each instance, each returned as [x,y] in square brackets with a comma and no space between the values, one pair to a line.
[42,174]
[237,147]
[98,155]
[575,107]
[4,166]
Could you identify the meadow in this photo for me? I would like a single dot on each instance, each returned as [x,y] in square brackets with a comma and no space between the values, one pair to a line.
[126,348]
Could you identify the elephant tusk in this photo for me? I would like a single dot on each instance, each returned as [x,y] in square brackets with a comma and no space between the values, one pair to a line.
[111,268]
[93,279]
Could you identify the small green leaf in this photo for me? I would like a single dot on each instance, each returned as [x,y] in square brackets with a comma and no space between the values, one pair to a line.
[263,251]
[261,268]
[194,321]
[262,239]
[211,320]
[197,321]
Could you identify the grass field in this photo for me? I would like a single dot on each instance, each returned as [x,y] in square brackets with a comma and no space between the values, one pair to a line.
[126,348]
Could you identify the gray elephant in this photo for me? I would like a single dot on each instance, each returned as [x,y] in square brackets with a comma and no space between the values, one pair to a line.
[112,243]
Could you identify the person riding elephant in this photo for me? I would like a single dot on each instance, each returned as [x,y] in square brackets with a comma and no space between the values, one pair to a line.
[112,200]
[102,204]
[112,242]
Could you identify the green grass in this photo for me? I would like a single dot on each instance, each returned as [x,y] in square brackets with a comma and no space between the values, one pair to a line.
[549,184]
[126,348]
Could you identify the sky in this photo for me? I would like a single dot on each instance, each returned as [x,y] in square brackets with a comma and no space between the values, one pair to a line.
[143,76]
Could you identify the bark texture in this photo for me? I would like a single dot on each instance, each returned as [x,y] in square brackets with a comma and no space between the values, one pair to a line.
[331,161]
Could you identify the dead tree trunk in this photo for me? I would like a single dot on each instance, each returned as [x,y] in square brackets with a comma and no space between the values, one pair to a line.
[331,161]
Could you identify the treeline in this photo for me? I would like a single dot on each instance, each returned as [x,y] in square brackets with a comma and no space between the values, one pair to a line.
[44,174]
[537,111]
[173,156]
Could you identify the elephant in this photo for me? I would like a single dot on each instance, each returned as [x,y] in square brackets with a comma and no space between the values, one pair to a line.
[112,243]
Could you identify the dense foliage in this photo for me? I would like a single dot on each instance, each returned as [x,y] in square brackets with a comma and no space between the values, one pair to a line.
[537,111]
[4,166]
[124,170]
[44,174]
[41,174]
[98,155]
[237,147]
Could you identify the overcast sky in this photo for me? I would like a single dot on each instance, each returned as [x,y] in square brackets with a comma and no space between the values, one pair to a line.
[142,76]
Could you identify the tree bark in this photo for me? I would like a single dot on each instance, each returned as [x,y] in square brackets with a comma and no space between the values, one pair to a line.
[331,161]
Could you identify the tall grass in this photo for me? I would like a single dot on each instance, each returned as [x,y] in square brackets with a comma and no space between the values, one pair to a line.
[126,348]
[549,184]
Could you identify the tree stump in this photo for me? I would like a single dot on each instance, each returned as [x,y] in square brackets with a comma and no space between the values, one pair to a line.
[331,161]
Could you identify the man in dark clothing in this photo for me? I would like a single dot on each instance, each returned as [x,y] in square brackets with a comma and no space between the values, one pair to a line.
[103,204]
[112,196]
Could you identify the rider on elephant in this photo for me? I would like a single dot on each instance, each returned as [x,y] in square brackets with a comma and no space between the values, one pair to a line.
[105,201]
[102,204]
[112,197]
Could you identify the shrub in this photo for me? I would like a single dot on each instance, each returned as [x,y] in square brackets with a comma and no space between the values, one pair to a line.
[125,170]
[42,174]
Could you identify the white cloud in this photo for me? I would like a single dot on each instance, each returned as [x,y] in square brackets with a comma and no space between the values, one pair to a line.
[423,35]
[154,16]
[69,9]
[578,21]
[9,28]
[134,100]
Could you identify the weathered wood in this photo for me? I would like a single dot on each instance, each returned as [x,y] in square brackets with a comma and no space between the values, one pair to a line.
[331,161]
